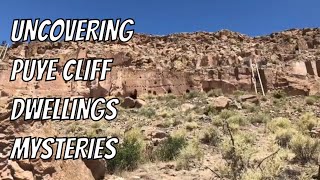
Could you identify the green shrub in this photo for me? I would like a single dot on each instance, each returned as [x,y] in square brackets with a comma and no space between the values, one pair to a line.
[259,117]
[210,110]
[170,148]
[215,93]
[279,94]
[271,168]
[238,93]
[284,136]
[188,154]
[191,126]
[310,100]
[238,120]
[211,136]
[129,153]
[304,147]
[147,112]
[238,156]
[279,123]
[250,107]
[225,114]
[307,122]
[234,119]
[193,94]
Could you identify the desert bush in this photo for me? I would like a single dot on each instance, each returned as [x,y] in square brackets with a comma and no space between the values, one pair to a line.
[193,94]
[173,103]
[279,123]
[239,93]
[279,94]
[211,136]
[168,97]
[170,148]
[304,147]
[225,114]
[91,133]
[215,93]
[147,112]
[129,153]
[250,107]
[251,174]
[188,154]
[234,119]
[237,152]
[191,126]
[238,119]
[307,122]
[210,110]
[284,136]
[310,100]
[259,117]
[270,168]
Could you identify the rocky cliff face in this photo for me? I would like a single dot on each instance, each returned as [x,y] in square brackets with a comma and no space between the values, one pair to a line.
[180,63]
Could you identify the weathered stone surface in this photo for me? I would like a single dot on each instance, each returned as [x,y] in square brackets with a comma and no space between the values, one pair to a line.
[157,65]
[221,102]
[19,173]
[249,98]
[139,103]
[128,102]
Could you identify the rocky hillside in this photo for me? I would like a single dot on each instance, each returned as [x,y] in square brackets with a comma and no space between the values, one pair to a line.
[189,108]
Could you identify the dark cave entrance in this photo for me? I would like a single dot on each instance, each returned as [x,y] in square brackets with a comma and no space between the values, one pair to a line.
[309,67]
[318,67]
[134,95]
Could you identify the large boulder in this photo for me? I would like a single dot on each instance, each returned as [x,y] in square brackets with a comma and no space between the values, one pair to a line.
[221,102]
[128,102]
[139,103]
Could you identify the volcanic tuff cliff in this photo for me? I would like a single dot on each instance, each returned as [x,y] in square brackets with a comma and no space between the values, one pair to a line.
[179,63]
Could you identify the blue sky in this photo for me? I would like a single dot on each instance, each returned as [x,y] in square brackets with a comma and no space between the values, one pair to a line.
[251,17]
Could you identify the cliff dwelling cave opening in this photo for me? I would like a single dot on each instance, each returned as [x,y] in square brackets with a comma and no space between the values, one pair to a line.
[309,67]
[318,67]
[134,94]
[236,73]
[263,80]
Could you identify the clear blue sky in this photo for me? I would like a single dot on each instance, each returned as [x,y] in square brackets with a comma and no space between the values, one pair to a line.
[252,17]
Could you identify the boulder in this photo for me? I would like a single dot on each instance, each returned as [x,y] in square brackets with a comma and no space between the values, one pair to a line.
[18,172]
[249,98]
[139,103]
[96,166]
[158,134]
[128,102]
[221,102]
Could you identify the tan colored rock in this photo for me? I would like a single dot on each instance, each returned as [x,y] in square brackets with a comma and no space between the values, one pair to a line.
[249,98]
[221,102]
[139,103]
[19,173]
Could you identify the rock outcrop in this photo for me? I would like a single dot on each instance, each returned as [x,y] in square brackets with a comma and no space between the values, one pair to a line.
[179,63]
